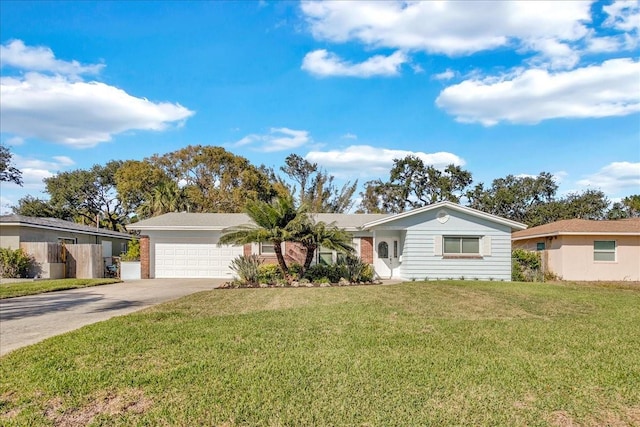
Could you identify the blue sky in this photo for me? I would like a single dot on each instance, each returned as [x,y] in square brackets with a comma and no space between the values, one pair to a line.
[498,87]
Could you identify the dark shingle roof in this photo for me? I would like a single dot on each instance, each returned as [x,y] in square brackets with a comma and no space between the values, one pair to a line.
[58,224]
[220,221]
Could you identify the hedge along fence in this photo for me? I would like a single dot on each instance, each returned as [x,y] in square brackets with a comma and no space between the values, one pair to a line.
[14,263]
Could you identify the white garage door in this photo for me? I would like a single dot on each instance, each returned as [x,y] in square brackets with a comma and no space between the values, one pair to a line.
[194,260]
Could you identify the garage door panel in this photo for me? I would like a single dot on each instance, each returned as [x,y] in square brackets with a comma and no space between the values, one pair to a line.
[182,260]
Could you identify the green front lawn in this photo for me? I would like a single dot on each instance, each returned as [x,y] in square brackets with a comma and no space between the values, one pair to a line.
[434,353]
[10,290]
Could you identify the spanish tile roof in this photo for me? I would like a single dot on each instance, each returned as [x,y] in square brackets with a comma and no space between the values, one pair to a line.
[629,226]
[58,224]
[220,221]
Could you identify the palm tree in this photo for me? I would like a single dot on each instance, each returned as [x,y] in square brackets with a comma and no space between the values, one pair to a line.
[312,235]
[273,222]
[165,197]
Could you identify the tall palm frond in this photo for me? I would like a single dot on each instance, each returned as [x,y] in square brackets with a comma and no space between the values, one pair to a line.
[272,222]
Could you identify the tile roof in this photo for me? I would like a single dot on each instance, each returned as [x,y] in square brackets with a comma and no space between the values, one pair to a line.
[629,226]
[59,224]
[220,221]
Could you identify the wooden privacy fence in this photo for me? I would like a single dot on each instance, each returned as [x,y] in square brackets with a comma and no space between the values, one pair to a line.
[58,261]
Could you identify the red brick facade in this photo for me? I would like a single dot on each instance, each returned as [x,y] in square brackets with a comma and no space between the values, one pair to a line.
[366,249]
[145,264]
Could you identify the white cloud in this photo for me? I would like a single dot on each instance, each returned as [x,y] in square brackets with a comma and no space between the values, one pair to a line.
[278,139]
[609,89]
[615,178]
[445,75]
[35,170]
[604,44]
[63,160]
[64,109]
[325,64]
[40,58]
[78,114]
[5,205]
[553,54]
[13,141]
[448,27]
[368,161]
[349,135]
[623,15]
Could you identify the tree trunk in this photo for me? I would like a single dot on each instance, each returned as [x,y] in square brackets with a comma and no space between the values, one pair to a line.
[277,248]
[311,249]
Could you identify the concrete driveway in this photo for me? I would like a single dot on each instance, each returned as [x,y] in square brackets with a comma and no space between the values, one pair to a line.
[27,320]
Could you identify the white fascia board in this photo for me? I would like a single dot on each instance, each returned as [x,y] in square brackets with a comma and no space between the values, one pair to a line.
[474,212]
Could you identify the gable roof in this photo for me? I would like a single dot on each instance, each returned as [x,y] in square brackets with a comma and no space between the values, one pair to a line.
[629,226]
[58,224]
[221,221]
[514,225]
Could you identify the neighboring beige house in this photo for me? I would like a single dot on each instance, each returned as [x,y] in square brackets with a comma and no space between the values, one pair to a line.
[30,233]
[579,249]
[16,229]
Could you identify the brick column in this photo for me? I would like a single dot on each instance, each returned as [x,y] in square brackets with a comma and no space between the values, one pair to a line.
[366,249]
[145,260]
[247,250]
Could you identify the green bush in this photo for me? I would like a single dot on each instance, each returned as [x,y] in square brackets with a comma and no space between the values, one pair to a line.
[14,263]
[355,270]
[295,270]
[133,251]
[331,272]
[525,266]
[367,274]
[247,268]
[269,273]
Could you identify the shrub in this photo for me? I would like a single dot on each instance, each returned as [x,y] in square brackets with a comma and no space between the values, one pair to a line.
[247,268]
[14,263]
[525,266]
[295,270]
[269,273]
[333,273]
[367,274]
[133,251]
[355,270]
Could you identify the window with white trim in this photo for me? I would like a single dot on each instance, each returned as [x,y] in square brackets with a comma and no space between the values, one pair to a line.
[325,256]
[604,250]
[266,248]
[461,245]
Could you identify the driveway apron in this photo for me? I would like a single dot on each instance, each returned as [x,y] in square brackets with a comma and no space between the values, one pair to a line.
[30,319]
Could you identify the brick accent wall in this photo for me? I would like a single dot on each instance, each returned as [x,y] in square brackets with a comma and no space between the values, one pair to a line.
[145,260]
[366,249]
[294,252]
[247,249]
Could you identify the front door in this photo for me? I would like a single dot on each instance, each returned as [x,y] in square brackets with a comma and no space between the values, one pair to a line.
[386,252]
